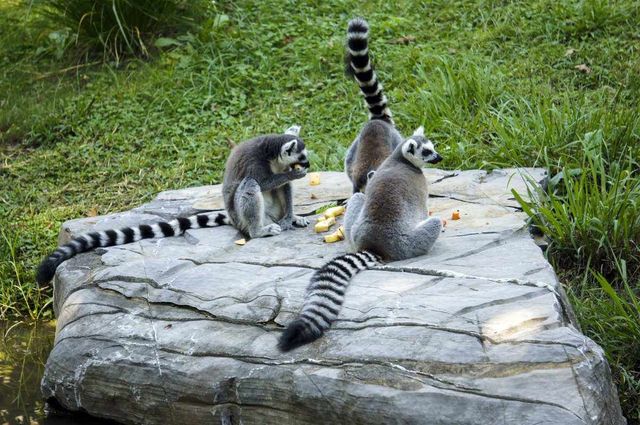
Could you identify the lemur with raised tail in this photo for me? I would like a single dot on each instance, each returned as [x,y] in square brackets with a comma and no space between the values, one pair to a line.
[388,222]
[257,198]
[379,137]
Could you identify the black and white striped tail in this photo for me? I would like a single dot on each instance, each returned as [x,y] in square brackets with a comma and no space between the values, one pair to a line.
[359,65]
[324,298]
[89,241]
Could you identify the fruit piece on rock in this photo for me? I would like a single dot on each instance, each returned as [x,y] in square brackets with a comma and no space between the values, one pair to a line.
[323,224]
[336,236]
[334,211]
[314,179]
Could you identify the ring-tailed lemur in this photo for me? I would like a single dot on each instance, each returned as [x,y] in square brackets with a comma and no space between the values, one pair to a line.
[389,222]
[256,190]
[379,137]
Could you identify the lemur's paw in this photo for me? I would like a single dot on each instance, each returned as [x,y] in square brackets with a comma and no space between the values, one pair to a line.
[272,230]
[300,221]
[285,224]
[295,174]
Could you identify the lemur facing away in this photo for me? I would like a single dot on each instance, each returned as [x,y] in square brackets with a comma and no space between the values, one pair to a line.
[257,198]
[389,222]
[379,137]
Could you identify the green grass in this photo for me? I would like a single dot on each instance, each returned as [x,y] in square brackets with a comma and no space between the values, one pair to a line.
[118,28]
[589,212]
[612,318]
[494,82]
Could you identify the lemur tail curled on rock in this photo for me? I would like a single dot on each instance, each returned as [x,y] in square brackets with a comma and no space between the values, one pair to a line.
[388,222]
[257,197]
[379,137]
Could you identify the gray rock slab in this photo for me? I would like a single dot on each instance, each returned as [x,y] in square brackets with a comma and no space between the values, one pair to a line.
[184,329]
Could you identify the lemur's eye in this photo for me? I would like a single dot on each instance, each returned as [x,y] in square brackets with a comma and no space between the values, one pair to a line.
[427,152]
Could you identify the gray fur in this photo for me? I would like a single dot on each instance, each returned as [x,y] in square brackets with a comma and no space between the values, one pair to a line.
[256,188]
[391,220]
[378,137]
[257,196]
[388,222]
[376,141]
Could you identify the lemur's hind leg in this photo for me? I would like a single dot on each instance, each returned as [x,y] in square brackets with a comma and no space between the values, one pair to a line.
[290,219]
[250,206]
[422,238]
[354,209]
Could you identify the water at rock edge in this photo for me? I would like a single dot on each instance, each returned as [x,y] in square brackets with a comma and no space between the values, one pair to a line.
[24,348]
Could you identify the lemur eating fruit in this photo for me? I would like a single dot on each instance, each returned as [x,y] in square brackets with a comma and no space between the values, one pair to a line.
[257,198]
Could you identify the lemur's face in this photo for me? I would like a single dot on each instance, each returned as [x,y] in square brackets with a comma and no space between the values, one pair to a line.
[294,151]
[419,150]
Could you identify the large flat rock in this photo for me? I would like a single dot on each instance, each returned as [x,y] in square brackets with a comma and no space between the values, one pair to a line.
[184,329]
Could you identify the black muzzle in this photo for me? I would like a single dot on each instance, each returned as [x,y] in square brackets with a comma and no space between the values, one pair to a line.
[435,160]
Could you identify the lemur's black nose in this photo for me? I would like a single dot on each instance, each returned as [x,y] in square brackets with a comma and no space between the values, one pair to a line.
[435,160]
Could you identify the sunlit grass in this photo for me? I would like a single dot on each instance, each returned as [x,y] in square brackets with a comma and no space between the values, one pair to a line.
[589,212]
[589,208]
[612,318]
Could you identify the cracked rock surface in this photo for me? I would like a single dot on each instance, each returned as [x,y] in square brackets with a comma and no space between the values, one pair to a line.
[183,330]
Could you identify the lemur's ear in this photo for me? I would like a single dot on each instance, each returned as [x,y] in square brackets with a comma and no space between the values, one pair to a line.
[294,130]
[289,147]
[419,131]
[370,174]
[411,146]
